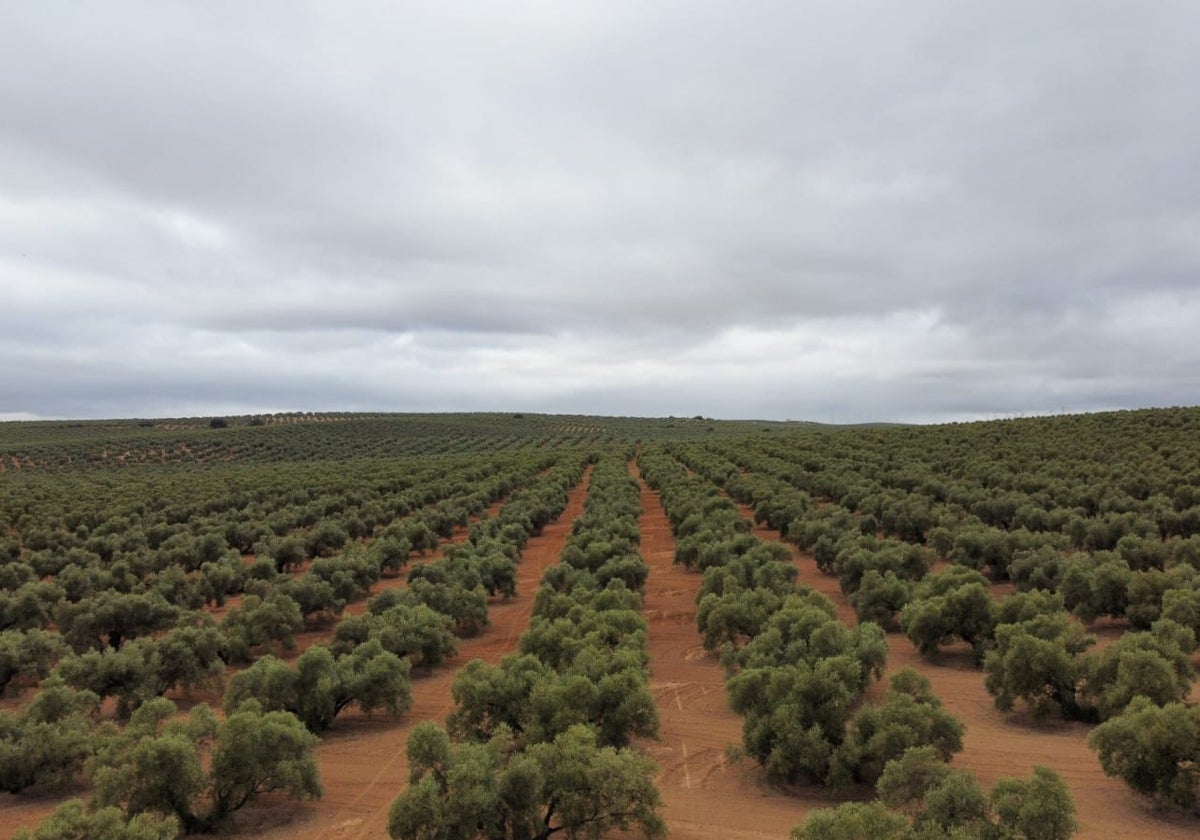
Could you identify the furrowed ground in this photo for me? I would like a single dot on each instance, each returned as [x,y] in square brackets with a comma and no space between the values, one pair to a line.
[705,795]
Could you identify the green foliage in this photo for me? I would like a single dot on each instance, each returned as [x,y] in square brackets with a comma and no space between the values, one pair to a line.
[317,599]
[938,803]
[155,765]
[48,743]
[735,617]
[490,697]
[72,821]
[911,716]
[856,557]
[796,715]
[1096,584]
[955,802]
[1038,661]
[149,515]
[1154,750]
[952,605]
[129,674]
[559,641]
[259,622]
[1146,590]
[1038,568]
[1039,808]
[494,789]
[907,779]
[257,753]
[419,633]
[187,657]
[982,547]
[804,628]
[1183,607]
[467,607]
[1154,664]
[325,539]
[27,653]
[1028,605]
[880,597]
[854,821]
[30,606]
[537,703]
[321,685]
[109,619]
[286,553]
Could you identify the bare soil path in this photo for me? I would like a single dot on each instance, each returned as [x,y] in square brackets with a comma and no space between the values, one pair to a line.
[704,794]
[997,744]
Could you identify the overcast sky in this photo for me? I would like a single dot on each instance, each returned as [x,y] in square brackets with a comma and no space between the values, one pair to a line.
[837,211]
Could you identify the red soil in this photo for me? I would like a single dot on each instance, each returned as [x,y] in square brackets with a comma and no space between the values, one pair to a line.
[998,744]
[705,794]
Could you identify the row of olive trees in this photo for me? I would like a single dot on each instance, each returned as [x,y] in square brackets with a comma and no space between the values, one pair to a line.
[367,665]
[921,798]
[165,774]
[901,745]
[120,658]
[796,673]
[538,743]
[1032,650]
[97,607]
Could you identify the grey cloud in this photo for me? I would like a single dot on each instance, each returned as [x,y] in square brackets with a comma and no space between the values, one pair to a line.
[350,200]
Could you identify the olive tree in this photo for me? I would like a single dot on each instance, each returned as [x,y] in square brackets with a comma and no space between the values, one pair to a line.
[108,619]
[258,622]
[28,653]
[854,821]
[48,742]
[910,716]
[796,715]
[1038,661]
[322,685]
[74,821]
[936,802]
[805,628]
[607,691]
[496,790]
[951,605]
[418,632]
[1153,749]
[1155,664]
[157,763]
[881,597]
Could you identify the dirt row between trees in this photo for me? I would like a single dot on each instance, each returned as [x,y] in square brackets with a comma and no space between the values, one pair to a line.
[705,794]
[997,744]
[362,758]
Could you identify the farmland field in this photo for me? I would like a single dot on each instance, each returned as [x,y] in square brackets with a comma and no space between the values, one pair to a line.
[674,584]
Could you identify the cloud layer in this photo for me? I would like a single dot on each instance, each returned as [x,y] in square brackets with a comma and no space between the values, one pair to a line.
[829,211]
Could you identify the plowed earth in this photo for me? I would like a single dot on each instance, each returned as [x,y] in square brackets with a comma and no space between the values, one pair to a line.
[705,794]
